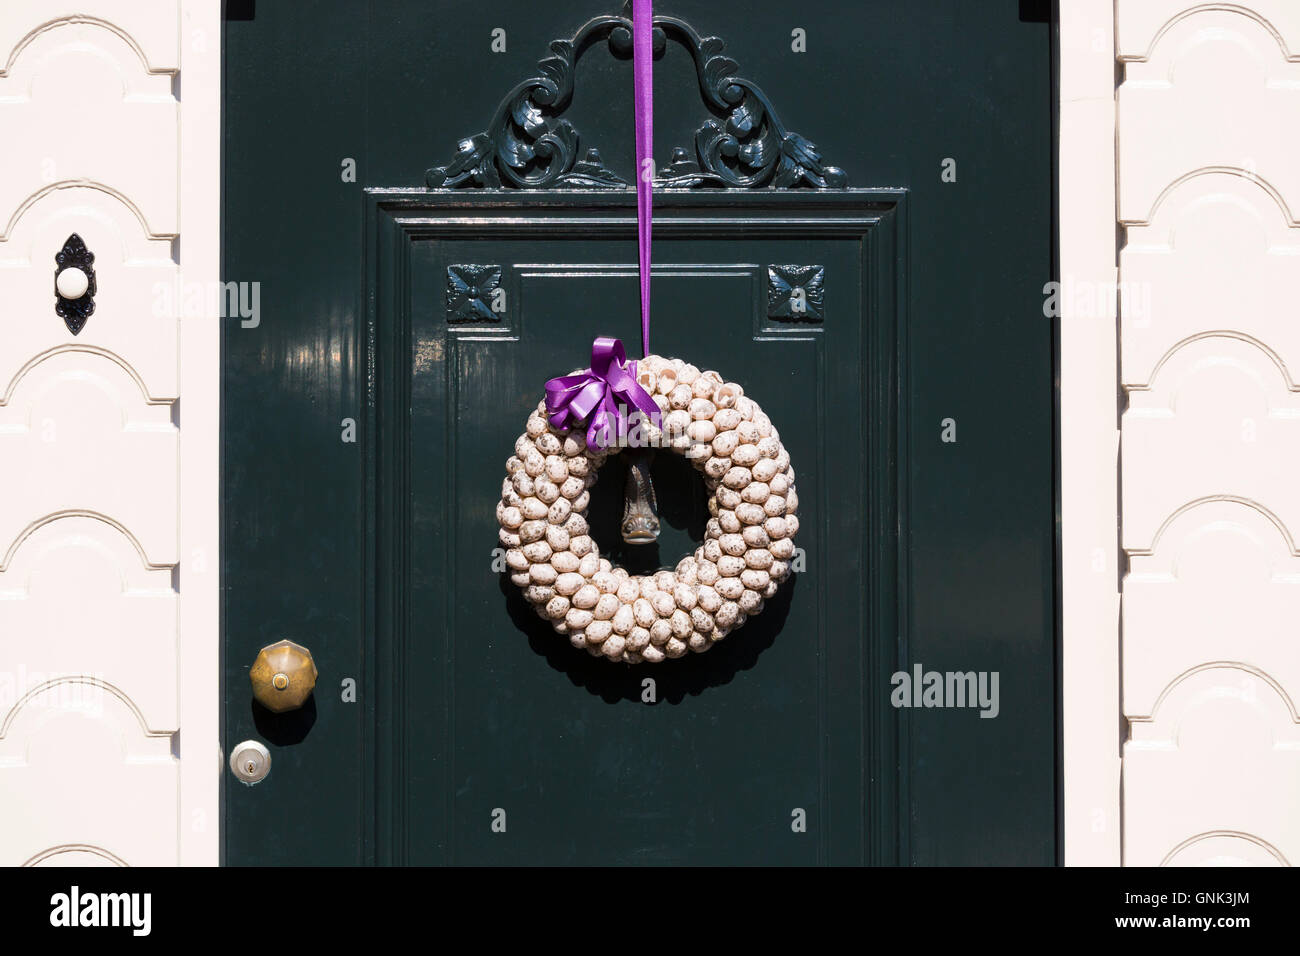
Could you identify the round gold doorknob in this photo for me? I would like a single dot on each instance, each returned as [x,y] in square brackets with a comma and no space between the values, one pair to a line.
[283,676]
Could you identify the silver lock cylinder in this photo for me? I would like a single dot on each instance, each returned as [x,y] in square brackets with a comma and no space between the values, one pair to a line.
[250,762]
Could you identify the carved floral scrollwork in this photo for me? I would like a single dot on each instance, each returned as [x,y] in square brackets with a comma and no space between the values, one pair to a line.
[529,145]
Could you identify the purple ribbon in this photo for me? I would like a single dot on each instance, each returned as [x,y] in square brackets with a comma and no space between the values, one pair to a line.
[600,395]
[643,95]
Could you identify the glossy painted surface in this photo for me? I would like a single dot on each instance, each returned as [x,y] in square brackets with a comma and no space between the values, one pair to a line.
[776,724]
[887,93]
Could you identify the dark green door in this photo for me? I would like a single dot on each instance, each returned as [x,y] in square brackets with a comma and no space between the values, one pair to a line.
[405,333]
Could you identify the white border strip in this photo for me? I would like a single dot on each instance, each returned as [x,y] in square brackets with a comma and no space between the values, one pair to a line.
[200,390]
[1089,430]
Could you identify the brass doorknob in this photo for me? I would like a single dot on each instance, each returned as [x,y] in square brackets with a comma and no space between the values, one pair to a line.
[282,676]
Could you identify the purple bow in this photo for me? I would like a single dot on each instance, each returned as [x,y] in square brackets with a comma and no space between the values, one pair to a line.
[600,395]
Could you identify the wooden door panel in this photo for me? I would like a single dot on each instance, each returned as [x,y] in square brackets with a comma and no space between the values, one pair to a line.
[377,554]
[506,715]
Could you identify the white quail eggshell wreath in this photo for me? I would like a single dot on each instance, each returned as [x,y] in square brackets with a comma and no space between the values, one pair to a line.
[748,542]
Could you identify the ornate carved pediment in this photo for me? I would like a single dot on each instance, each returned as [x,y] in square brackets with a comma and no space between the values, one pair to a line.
[530,145]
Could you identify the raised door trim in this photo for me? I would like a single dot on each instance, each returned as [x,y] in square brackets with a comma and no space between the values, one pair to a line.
[395,218]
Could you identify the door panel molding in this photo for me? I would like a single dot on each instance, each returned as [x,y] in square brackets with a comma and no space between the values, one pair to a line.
[401,286]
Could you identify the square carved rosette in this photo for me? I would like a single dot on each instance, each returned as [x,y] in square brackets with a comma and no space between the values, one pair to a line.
[796,293]
[474,294]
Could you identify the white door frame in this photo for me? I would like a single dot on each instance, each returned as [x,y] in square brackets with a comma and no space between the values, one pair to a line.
[199,468]
[1092,724]
[110,116]
[1178,125]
